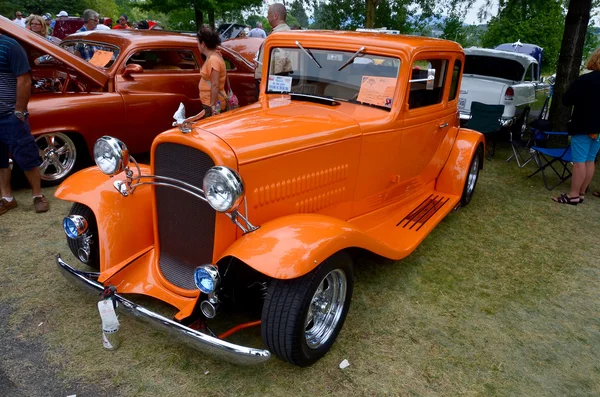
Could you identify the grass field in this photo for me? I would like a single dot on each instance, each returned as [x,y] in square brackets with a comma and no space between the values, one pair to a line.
[502,299]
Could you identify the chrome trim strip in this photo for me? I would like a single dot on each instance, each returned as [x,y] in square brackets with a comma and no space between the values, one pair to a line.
[205,343]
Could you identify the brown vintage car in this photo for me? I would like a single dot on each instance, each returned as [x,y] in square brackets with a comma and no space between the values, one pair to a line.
[129,87]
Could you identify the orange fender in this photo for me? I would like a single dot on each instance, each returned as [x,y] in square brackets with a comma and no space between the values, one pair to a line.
[453,176]
[125,224]
[293,245]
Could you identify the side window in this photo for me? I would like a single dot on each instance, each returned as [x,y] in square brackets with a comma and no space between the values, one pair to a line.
[455,80]
[529,75]
[154,60]
[426,89]
[228,64]
[536,73]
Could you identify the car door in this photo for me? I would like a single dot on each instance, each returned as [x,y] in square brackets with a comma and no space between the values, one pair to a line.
[429,117]
[168,77]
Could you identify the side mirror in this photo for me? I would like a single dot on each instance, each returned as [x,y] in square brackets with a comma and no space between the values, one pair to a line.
[132,69]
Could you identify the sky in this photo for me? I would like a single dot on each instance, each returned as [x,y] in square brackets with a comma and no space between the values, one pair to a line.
[471,17]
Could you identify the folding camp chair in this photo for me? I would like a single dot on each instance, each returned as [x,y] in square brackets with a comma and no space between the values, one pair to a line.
[521,142]
[486,119]
[556,159]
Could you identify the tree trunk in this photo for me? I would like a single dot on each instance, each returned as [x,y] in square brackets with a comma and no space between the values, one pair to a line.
[370,17]
[199,17]
[569,60]
[211,18]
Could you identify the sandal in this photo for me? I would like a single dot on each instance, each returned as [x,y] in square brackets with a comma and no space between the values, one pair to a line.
[596,194]
[581,198]
[565,199]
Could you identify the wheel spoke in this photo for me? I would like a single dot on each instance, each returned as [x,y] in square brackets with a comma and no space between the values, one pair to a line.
[44,166]
[58,165]
[49,140]
[63,149]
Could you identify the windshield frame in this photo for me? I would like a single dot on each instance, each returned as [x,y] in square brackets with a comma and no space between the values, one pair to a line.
[331,60]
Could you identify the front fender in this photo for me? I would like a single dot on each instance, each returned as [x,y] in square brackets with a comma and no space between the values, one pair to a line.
[125,225]
[453,176]
[293,245]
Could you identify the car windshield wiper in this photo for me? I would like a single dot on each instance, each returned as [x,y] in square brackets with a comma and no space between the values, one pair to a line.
[307,52]
[349,61]
[323,100]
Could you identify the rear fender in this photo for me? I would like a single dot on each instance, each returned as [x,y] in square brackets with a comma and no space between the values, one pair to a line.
[453,176]
[293,245]
[125,225]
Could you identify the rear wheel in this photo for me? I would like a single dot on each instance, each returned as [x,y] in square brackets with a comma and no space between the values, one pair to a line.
[302,317]
[472,177]
[76,245]
[521,125]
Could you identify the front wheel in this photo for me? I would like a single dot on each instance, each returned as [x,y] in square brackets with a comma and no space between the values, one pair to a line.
[472,177]
[302,317]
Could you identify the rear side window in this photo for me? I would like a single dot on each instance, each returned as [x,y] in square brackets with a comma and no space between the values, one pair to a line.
[427,82]
[161,60]
[455,79]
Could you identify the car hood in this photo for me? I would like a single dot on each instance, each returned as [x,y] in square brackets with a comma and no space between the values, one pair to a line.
[278,126]
[93,73]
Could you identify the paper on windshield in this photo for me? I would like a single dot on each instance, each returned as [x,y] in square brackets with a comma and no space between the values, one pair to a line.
[101,58]
[377,90]
[279,84]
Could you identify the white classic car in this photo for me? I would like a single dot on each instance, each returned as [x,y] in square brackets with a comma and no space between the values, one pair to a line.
[496,77]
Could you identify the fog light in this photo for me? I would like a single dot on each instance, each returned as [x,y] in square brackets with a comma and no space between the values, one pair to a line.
[209,308]
[75,225]
[206,278]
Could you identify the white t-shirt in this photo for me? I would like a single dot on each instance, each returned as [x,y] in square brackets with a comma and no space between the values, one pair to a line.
[21,22]
[101,26]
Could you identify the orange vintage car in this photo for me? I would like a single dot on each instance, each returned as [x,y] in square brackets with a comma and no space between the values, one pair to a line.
[128,88]
[354,145]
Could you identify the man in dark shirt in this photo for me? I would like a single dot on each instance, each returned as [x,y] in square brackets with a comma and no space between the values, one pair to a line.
[15,135]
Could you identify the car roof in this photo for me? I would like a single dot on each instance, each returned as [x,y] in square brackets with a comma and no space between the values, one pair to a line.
[407,43]
[524,59]
[126,37]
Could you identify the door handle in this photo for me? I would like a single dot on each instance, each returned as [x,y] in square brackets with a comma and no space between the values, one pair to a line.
[444,125]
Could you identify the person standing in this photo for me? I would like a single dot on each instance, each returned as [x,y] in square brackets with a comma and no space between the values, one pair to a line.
[212,74]
[258,31]
[122,24]
[15,135]
[584,128]
[90,20]
[19,20]
[37,25]
[276,15]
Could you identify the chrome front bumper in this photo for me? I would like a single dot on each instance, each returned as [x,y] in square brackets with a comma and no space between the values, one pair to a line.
[205,343]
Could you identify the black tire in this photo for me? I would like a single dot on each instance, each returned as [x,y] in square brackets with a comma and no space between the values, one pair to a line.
[76,244]
[286,310]
[470,184]
[521,125]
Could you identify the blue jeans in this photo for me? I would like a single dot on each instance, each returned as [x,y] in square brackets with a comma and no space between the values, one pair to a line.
[16,138]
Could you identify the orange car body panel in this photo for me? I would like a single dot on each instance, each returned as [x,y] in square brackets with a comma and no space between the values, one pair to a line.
[318,178]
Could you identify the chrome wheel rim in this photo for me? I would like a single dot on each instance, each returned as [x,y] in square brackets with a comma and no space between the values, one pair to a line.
[473,172]
[524,125]
[58,155]
[325,310]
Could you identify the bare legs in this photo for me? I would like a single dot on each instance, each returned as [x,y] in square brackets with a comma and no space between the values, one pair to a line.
[33,176]
[582,176]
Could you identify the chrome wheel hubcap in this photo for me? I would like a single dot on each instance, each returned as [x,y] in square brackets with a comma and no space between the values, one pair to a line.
[325,309]
[58,155]
[473,172]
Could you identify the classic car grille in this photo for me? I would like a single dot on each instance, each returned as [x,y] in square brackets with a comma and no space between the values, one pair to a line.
[186,225]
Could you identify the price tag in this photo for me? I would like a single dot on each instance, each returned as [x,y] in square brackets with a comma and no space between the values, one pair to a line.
[279,84]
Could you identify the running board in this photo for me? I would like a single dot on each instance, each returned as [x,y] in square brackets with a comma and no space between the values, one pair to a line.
[417,218]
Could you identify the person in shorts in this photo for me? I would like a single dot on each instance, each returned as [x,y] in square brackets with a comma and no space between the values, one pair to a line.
[583,95]
[15,135]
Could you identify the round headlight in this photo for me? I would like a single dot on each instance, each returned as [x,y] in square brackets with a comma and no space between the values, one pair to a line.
[75,225]
[110,155]
[223,188]
[206,278]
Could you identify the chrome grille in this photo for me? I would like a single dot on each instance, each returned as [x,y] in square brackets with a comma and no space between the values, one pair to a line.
[186,225]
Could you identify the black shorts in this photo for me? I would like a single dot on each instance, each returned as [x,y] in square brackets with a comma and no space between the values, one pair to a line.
[16,138]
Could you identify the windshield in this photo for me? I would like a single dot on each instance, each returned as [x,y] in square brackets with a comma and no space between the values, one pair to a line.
[494,67]
[101,55]
[366,79]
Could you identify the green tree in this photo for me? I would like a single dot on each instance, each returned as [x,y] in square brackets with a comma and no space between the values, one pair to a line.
[538,22]
[297,11]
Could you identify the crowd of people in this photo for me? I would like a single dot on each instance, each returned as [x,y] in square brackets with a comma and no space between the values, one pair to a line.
[102,23]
